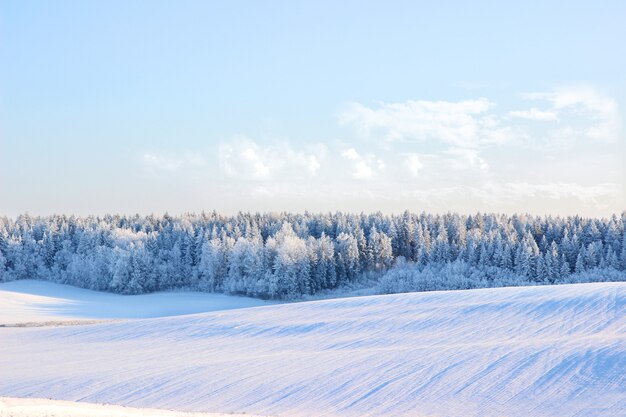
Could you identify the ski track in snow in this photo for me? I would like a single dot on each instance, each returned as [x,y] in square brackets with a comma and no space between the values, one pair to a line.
[528,351]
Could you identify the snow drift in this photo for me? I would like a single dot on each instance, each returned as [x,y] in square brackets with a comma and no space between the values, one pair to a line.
[531,351]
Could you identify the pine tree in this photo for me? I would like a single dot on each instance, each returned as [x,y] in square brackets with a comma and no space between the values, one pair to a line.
[379,250]
[349,256]
[593,255]
[564,269]
[213,265]
[623,254]
[285,255]
[612,260]
[580,261]
[542,270]
[3,274]
[506,257]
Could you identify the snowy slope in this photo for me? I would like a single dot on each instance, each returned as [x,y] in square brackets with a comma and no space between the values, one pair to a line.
[30,301]
[27,407]
[532,351]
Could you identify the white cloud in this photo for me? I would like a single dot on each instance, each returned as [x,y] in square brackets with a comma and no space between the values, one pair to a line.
[596,115]
[413,164]
[313,165]
[583,112]
[583,96]
[462,124]
[466,159]
[172,162]
[362,170]
[512,196]
[245,159]
[562,190]
[361,166]
[308,159]
[351,154]
[534,114]
[433,153]
[600,196]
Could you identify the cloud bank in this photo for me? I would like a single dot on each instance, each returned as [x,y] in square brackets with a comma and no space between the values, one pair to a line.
[462,155]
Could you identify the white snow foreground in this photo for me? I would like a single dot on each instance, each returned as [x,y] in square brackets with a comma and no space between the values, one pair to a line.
[530,351]
[31,302]
[35,407]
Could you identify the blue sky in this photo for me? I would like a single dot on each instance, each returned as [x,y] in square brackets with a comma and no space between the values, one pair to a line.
[148,106]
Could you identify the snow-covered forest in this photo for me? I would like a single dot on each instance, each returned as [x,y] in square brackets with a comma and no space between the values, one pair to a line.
[293,255]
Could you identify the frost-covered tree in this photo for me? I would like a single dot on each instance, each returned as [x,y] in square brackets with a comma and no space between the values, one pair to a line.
[245,267]
[379,250]
[623,253]
[580,261]
[287,255]
[564,269]
[3,274]
[347,258]
[213,265]
[291,269]
[325,269]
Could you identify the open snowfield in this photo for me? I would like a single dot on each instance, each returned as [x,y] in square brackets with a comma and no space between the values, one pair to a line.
[30,301]
[529,351]
[27,407]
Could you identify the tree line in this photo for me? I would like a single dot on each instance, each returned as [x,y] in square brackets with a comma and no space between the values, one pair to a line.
[284,255]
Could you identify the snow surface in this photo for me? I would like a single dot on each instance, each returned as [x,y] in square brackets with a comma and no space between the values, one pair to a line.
[30,301]
[27,407]
[529,351]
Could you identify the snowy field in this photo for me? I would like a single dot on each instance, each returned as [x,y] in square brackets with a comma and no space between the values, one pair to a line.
[27,407]
[529,351]
[30,302]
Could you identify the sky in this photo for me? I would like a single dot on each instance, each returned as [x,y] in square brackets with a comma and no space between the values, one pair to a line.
[147,106]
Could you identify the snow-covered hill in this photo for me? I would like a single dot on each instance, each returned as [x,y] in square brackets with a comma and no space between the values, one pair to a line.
[31,301]
[28,407]
[532,351]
